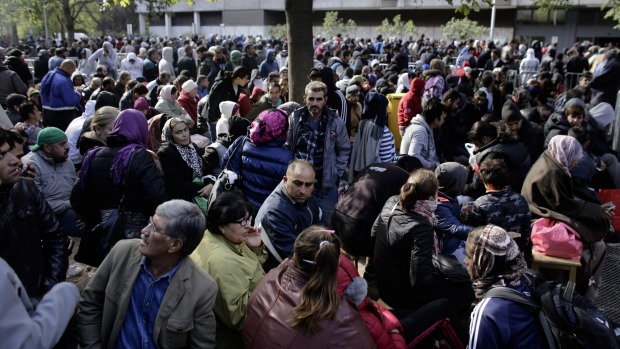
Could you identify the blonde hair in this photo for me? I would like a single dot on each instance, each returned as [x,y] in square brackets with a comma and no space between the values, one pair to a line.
[103,117]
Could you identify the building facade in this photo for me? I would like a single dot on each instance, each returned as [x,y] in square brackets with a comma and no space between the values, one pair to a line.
[514,18]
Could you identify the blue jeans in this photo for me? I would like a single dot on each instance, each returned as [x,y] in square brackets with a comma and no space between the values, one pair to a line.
[327,202]
[67,221]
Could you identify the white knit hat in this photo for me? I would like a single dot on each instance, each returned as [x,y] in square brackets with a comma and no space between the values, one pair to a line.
[189,85]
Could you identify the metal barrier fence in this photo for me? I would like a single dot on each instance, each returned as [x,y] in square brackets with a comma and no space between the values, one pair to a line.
[571,80]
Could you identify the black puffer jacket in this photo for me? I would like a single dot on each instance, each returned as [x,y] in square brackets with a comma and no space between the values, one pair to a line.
[144,190]
[403,239]
[557,124]
[31,240]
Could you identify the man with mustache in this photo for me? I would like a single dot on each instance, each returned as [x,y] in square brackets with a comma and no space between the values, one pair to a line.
[287,211]
[147,293]
[317,135]
[55,175]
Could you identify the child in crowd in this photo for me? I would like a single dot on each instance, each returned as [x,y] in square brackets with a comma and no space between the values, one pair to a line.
[501,206]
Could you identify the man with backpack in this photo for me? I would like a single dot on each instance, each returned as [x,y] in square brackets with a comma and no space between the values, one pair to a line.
[493,259]
[517,310]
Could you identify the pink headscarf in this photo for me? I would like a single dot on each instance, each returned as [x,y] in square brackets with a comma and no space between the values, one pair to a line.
[565,150]
[166,93]
[269,125]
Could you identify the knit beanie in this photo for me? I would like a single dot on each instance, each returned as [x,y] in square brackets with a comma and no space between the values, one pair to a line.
[189,86]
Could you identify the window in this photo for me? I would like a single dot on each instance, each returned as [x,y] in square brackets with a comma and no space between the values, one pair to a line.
[528,16]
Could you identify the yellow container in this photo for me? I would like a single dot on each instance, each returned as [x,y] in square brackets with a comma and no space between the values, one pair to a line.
[393,100]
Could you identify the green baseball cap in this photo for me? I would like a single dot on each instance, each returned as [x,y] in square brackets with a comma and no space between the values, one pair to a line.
[49,135]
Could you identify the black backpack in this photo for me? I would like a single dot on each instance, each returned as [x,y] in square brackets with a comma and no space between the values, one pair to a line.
[567,319]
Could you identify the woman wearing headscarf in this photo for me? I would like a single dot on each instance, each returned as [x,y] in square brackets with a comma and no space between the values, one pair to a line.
[167,103]
[261,159]
[122,169]
[185,172]
[549,191]
[373,141]
[494,260]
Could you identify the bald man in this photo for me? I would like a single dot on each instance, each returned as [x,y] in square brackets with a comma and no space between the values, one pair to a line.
[60,100]
[287,211]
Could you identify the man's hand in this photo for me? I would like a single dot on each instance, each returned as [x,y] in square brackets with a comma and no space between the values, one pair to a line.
[28,171]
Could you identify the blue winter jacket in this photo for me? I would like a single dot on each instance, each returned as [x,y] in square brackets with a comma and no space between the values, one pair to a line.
[57,91]
[268,65]
[448,224]
[261,167]
[283,219]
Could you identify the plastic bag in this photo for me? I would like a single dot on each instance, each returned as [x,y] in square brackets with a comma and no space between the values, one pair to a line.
[556,239]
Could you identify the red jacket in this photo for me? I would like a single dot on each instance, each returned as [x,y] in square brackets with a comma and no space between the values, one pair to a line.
[411,103]
[380,330]
[190,105]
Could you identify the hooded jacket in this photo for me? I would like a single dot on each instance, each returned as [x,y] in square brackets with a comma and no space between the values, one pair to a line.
[411,104]
[165,64]
[557,124]
[57,91]
[529,66]
[269,64]
[20,67]
[135,68]
[452,177]
[386,330]
[99,57]
[418,141]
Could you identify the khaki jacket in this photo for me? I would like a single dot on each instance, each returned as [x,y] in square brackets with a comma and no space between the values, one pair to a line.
[185,318]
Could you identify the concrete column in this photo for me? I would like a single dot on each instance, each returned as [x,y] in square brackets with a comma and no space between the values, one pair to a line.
[141,23]
[197,21]
[168,21]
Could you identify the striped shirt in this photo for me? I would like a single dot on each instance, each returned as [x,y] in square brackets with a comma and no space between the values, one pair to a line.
[387,149]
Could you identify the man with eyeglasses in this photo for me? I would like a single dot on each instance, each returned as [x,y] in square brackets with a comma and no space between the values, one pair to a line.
[287,211]
[147,293]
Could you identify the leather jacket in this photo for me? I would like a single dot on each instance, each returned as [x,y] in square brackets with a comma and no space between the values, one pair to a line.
[271,305]
[31,239]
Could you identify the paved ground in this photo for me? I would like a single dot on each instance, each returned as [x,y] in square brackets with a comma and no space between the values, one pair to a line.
[79,273]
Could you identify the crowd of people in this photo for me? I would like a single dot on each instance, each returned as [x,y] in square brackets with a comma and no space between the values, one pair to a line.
[124,155]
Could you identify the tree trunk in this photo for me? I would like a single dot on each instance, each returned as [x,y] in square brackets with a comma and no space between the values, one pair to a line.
[299,29]
[13,37]
[69,22]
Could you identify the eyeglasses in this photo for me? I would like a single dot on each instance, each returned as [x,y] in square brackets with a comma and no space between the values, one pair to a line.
[244,222]
[152,229]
